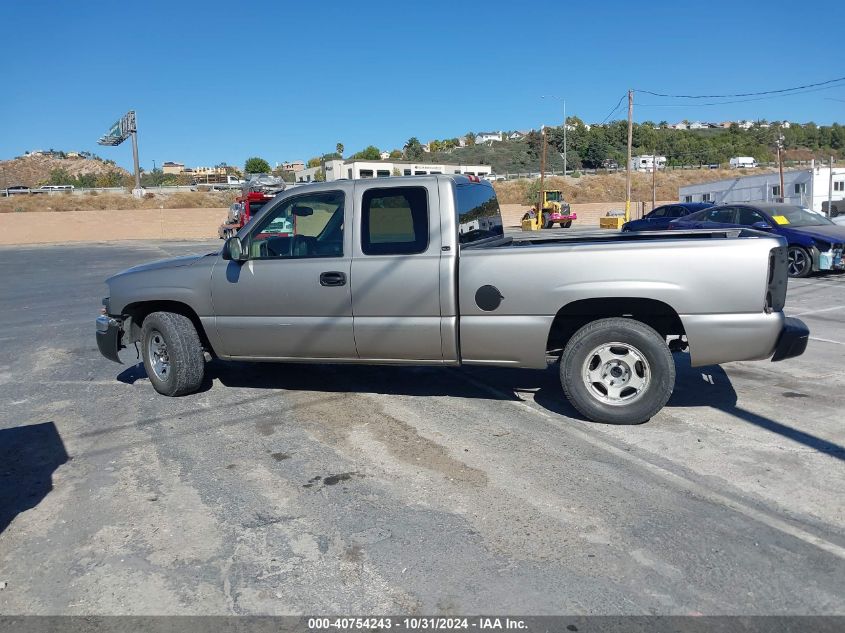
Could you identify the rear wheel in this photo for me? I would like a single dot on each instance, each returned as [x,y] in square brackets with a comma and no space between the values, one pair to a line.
[172,353]
[800,262]
[566,225]
[617,371]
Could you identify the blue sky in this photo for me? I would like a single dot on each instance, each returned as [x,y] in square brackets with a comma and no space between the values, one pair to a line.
[221,81]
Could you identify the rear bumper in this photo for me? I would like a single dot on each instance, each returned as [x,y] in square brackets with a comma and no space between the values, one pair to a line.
[792,340]
[108,337]
[721,338]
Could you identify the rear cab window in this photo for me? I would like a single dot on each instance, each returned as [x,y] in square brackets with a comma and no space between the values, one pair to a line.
[394,221]
[479,216]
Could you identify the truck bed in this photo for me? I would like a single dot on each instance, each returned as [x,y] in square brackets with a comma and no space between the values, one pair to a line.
[617,237]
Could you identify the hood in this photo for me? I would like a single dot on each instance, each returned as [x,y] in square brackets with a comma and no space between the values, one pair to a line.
[823,232]
[173,262]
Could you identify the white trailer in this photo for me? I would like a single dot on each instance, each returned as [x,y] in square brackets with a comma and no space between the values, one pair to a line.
[805,187]
[743,162]
[646,162]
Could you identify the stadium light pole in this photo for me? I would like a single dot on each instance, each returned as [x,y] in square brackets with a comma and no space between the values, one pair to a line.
[563,100]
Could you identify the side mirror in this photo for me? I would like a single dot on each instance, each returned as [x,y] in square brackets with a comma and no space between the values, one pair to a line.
[302,212]
[233,249]
[761,226]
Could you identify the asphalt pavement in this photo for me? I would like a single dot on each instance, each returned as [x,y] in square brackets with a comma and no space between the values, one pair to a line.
[291,489]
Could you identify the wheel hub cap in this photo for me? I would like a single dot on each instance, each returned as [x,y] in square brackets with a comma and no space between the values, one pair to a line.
[797,262]
[616,373]
[158,355]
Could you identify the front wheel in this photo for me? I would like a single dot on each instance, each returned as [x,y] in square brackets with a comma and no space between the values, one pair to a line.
[172,352]
[800,262]
[617,371]
[547,223]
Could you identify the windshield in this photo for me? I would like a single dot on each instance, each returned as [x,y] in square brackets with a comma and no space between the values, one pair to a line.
[553,196]
[796,216]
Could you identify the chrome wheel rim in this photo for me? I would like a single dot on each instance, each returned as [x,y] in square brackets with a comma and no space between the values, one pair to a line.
[616,373]
[157,353]
[797,261]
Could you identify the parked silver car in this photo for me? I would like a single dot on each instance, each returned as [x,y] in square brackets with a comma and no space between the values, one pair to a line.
[418,271]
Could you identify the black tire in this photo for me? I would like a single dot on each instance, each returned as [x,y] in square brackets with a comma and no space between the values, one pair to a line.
[566,224]
[800,262]
[179,371]
[646,343]
[547,223]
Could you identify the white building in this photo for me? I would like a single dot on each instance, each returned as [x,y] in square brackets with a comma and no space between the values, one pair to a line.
[485,137]
[646,162]
[357,169]
[697,125]
[805,187]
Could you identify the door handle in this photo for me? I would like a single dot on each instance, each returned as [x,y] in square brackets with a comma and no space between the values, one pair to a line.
[333,278]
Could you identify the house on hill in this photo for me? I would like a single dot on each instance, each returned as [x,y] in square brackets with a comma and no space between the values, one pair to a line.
[485,137]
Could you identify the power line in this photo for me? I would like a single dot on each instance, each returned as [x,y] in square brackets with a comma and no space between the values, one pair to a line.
[718,103]
[743,94]
[619,103]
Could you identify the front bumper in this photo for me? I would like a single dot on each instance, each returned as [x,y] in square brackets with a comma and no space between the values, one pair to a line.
[108,337]
[792,340]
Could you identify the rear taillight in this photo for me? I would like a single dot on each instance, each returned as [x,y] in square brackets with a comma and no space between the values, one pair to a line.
[776,279]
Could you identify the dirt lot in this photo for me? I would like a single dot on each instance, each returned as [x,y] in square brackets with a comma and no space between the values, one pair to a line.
[109,225]
[180,224]
[330,489]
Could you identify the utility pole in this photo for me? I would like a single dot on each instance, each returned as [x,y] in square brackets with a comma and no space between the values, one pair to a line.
[654,180]
[830,188]
[628,166]
[564,138]
[542,180]
[563,101]
[780,167]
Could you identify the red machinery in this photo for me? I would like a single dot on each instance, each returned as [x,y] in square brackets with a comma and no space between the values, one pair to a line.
[257,192]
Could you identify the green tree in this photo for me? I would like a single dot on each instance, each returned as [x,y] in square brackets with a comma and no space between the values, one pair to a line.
[470,138]
[370,153]
[339,149]
[414,149]
[396,155]
[256,165]
[314,162]
[155,178]
[59,176]
[320,175]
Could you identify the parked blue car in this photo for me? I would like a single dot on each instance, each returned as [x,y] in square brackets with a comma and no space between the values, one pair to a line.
[815,243]
[659,218]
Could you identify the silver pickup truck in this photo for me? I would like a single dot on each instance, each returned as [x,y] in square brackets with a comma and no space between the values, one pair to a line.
[418,271]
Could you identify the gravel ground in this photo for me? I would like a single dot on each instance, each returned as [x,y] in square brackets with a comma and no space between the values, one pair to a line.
[340,489]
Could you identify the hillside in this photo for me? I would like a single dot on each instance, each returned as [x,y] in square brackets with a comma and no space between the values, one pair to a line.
[33,171]
[611,187]
[587,147]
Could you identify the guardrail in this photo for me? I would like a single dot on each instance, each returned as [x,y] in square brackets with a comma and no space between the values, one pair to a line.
[83,190]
